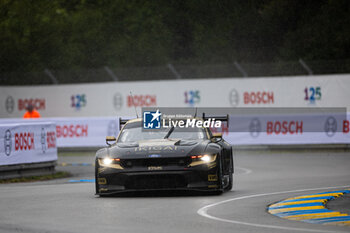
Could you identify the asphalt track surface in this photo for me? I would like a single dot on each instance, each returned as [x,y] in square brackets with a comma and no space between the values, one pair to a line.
[261,178]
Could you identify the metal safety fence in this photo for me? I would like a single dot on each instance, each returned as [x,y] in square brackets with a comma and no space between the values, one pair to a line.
[176,71]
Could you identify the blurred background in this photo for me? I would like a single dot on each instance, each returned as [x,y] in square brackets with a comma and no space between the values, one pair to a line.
[76,41]
[84,64]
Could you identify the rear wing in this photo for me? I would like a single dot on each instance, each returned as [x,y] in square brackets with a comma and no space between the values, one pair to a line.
[219,118]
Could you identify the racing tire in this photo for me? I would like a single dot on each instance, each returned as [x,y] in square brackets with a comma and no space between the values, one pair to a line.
[96,184]
[220,180]
[230,183]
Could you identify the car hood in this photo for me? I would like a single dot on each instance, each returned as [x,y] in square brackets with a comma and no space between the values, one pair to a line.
[160,148]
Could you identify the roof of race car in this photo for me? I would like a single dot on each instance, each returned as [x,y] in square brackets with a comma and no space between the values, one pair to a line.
[140,119]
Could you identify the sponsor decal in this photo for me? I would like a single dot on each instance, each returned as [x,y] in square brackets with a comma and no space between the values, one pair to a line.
[101,181]
[43,140]
[78,101]
[346,128]
[156,148]
[10,104]
[233,97]
[312,94]
[51,139]
[71,131]
[8,142]
[38,104]
[48,139]
[213,177]
[284,127]
[155,168]
[151,119]
[330,126]
[192,97]
[141,100]
[117,101]
[259,97]
[24,141]
[255,127]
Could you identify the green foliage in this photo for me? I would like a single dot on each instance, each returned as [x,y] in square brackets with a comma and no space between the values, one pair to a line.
[69,34]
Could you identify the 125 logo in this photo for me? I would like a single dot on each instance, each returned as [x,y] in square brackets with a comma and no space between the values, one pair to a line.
[312,94]
[192,97]
[78,101]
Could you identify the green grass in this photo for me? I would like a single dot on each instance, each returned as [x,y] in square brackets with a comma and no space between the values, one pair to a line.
[56,175]
[76,153]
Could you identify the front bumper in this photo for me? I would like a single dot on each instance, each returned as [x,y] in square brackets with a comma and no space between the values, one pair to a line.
[200,178]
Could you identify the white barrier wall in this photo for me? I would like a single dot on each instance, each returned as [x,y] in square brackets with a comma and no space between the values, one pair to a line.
[86,113]
[250,130]
[77,132]
[23,143]
[85,132]
[113,99]
[289,129]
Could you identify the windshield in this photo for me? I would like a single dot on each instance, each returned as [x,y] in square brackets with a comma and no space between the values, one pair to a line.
[133,132]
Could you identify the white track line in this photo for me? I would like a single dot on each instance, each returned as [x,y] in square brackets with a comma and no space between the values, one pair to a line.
[204,210]
[245,170]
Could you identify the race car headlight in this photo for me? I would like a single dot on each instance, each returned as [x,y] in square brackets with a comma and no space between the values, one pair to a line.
[204,158]
[108,161]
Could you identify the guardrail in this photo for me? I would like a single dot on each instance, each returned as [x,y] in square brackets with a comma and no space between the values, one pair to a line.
[24,170]
[176,71]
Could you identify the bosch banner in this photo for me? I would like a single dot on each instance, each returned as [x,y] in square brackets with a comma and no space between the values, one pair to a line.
[85,132]
[289,130]
[242,130]
[110,99]
[78,132]
[23,143]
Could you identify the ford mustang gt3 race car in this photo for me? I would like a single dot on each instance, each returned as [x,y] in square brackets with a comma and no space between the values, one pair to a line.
[165,159]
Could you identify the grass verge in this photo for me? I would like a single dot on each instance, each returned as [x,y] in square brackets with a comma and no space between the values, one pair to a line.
[76,153]
[56,175]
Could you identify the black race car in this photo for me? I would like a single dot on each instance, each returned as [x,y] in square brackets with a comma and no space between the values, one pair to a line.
[165,159]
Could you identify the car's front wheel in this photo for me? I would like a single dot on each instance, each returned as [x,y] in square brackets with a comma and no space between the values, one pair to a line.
[96,183]
[230,183]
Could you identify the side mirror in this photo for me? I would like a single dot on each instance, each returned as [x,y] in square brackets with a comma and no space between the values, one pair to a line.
[110,140]
[216,137]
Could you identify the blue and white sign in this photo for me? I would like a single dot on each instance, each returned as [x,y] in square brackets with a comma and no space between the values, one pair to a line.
[151,120]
